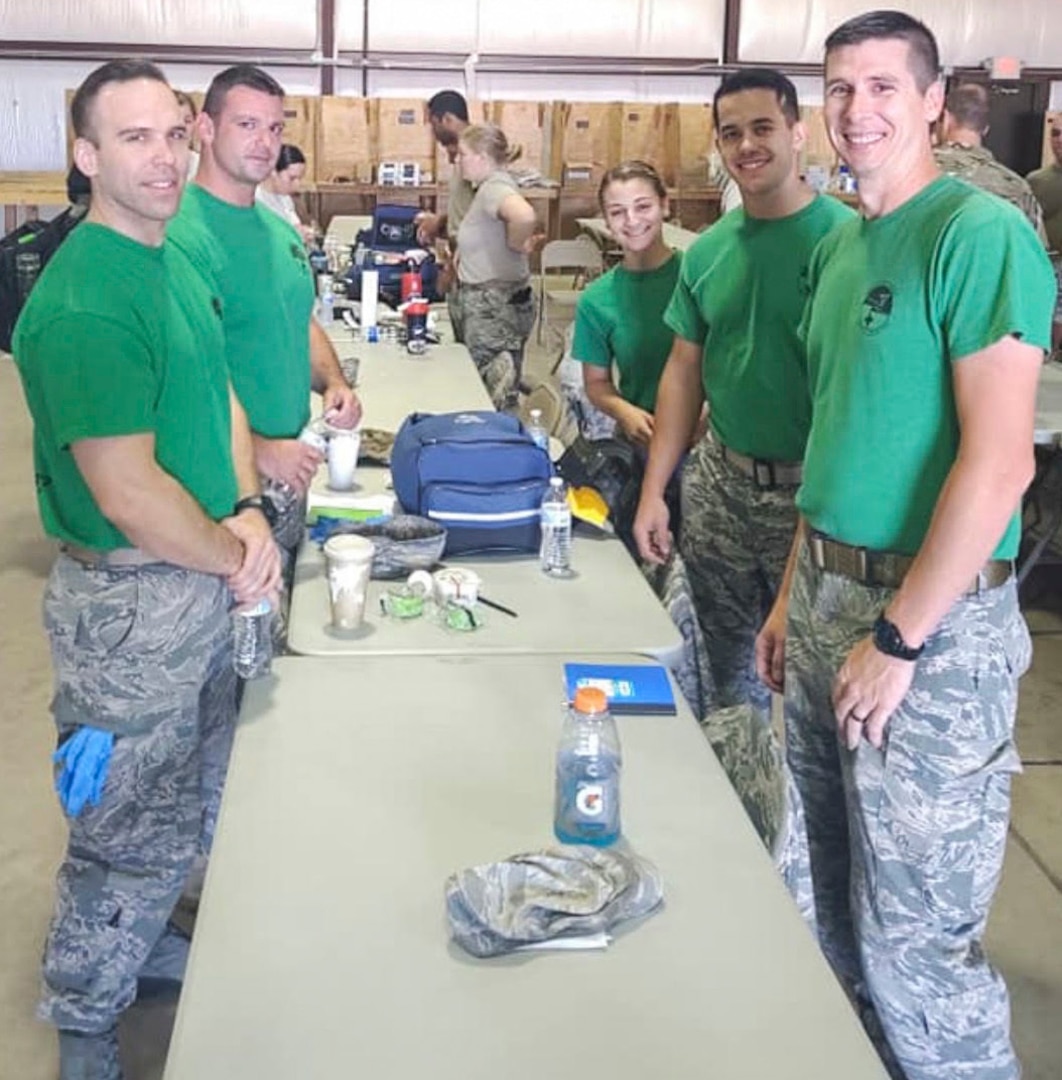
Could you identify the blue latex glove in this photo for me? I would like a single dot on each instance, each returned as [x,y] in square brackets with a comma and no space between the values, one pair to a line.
[85,759]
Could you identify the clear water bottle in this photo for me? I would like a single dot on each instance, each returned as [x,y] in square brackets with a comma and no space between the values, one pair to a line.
[586,807]
[555,552]
[252,640]
[537,431]
[327,301]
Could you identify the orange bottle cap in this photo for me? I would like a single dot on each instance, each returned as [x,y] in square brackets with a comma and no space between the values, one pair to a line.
[590,699]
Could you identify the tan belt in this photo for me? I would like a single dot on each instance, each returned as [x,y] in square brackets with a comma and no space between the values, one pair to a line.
[766,474]
[97,560]
[886,569]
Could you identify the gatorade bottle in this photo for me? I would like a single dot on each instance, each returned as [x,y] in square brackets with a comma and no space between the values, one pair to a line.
[587,798]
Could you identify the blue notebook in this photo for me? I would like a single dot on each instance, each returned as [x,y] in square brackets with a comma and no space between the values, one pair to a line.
[630,688]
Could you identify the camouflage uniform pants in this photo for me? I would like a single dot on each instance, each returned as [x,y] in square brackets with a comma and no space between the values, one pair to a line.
[735,540]
[288,531]
[144,652]
[453,309]
[497,320]
[907,842]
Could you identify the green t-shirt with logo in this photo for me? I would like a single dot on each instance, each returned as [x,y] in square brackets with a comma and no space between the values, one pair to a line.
[895,301]
[741,293]
[122,339]
[620,318]
[257,264]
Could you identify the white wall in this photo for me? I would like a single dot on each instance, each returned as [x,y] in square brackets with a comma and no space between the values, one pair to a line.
[33,103]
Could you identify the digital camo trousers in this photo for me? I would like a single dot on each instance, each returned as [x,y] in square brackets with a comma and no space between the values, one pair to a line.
[907,842]
[735,540]
[145,653]
[496,328]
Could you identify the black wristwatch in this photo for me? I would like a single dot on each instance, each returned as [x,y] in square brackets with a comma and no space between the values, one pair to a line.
[889,640]
[258,502]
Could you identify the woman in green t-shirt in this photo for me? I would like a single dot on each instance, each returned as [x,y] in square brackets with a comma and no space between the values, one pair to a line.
[620,317]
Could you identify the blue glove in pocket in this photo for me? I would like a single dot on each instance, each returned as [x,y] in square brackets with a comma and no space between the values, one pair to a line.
[84,760]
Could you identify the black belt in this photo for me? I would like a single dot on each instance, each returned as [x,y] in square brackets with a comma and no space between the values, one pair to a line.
[766,474]
[887,569]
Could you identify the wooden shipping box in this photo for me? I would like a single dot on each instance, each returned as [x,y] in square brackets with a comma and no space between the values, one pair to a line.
[344,141]
[696,141]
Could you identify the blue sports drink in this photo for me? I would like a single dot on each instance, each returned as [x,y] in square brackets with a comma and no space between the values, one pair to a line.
[587,794]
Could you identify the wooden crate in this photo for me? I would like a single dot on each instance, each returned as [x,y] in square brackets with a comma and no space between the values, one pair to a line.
[301,117]
[650,133]
[344,140]
[586,136]
[529,125]
[696,141]
[401,132]
[817,150]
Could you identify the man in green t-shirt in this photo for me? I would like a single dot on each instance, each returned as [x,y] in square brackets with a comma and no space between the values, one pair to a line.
[257,264]
[925,329]
[144,475]
[734,313]
[448,116]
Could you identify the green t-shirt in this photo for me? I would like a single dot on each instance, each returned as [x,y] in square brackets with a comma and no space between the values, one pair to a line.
[122,339]
[741,293]
[257,264]
[620,318]
[895,301]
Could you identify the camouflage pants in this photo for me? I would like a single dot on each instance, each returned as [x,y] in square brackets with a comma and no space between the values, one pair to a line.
[497,321]
[453,309]
[146,653]
[735,540]
[744,742]
[288,531]
[907,842]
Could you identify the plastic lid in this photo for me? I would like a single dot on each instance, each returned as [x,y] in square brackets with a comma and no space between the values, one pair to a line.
[556,481]
[536,414]
[590,699]
[348,548]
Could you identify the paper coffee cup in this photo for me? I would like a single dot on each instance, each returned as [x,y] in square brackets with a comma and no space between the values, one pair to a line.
[457,585]
[349,561]
[343,447]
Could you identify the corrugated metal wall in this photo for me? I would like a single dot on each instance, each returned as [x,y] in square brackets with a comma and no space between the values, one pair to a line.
[641,32]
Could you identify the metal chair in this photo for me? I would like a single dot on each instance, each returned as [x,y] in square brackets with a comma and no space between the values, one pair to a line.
[581,259]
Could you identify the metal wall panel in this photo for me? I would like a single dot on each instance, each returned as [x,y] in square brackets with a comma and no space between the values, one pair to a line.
[628,28]
[968,31]
[282,24]
[33,104]
[350,20]
[422,26]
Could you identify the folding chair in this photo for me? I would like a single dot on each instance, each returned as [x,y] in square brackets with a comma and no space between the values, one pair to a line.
[581,259]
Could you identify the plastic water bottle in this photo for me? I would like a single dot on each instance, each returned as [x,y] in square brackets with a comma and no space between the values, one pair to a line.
[327,310]
[252,640]
[537,431]
[555,553]
[586,806]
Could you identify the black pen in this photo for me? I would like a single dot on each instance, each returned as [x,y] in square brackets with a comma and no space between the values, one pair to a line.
[497,607]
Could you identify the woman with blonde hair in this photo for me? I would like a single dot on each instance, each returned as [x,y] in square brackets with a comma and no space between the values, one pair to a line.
[496,234]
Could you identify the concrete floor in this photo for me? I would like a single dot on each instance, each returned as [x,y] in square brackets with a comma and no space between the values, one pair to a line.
[1025,935]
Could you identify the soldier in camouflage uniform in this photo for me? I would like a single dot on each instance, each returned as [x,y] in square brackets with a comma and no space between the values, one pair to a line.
[735,312]
[496,302]
[142,454]
[961,153]
[925,330]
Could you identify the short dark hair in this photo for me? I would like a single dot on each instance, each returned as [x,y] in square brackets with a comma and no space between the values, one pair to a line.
[632,170]
[759,79]
[241,75]
[969,104]
[289,155]
[114,71]
[448,101]
[924,59]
